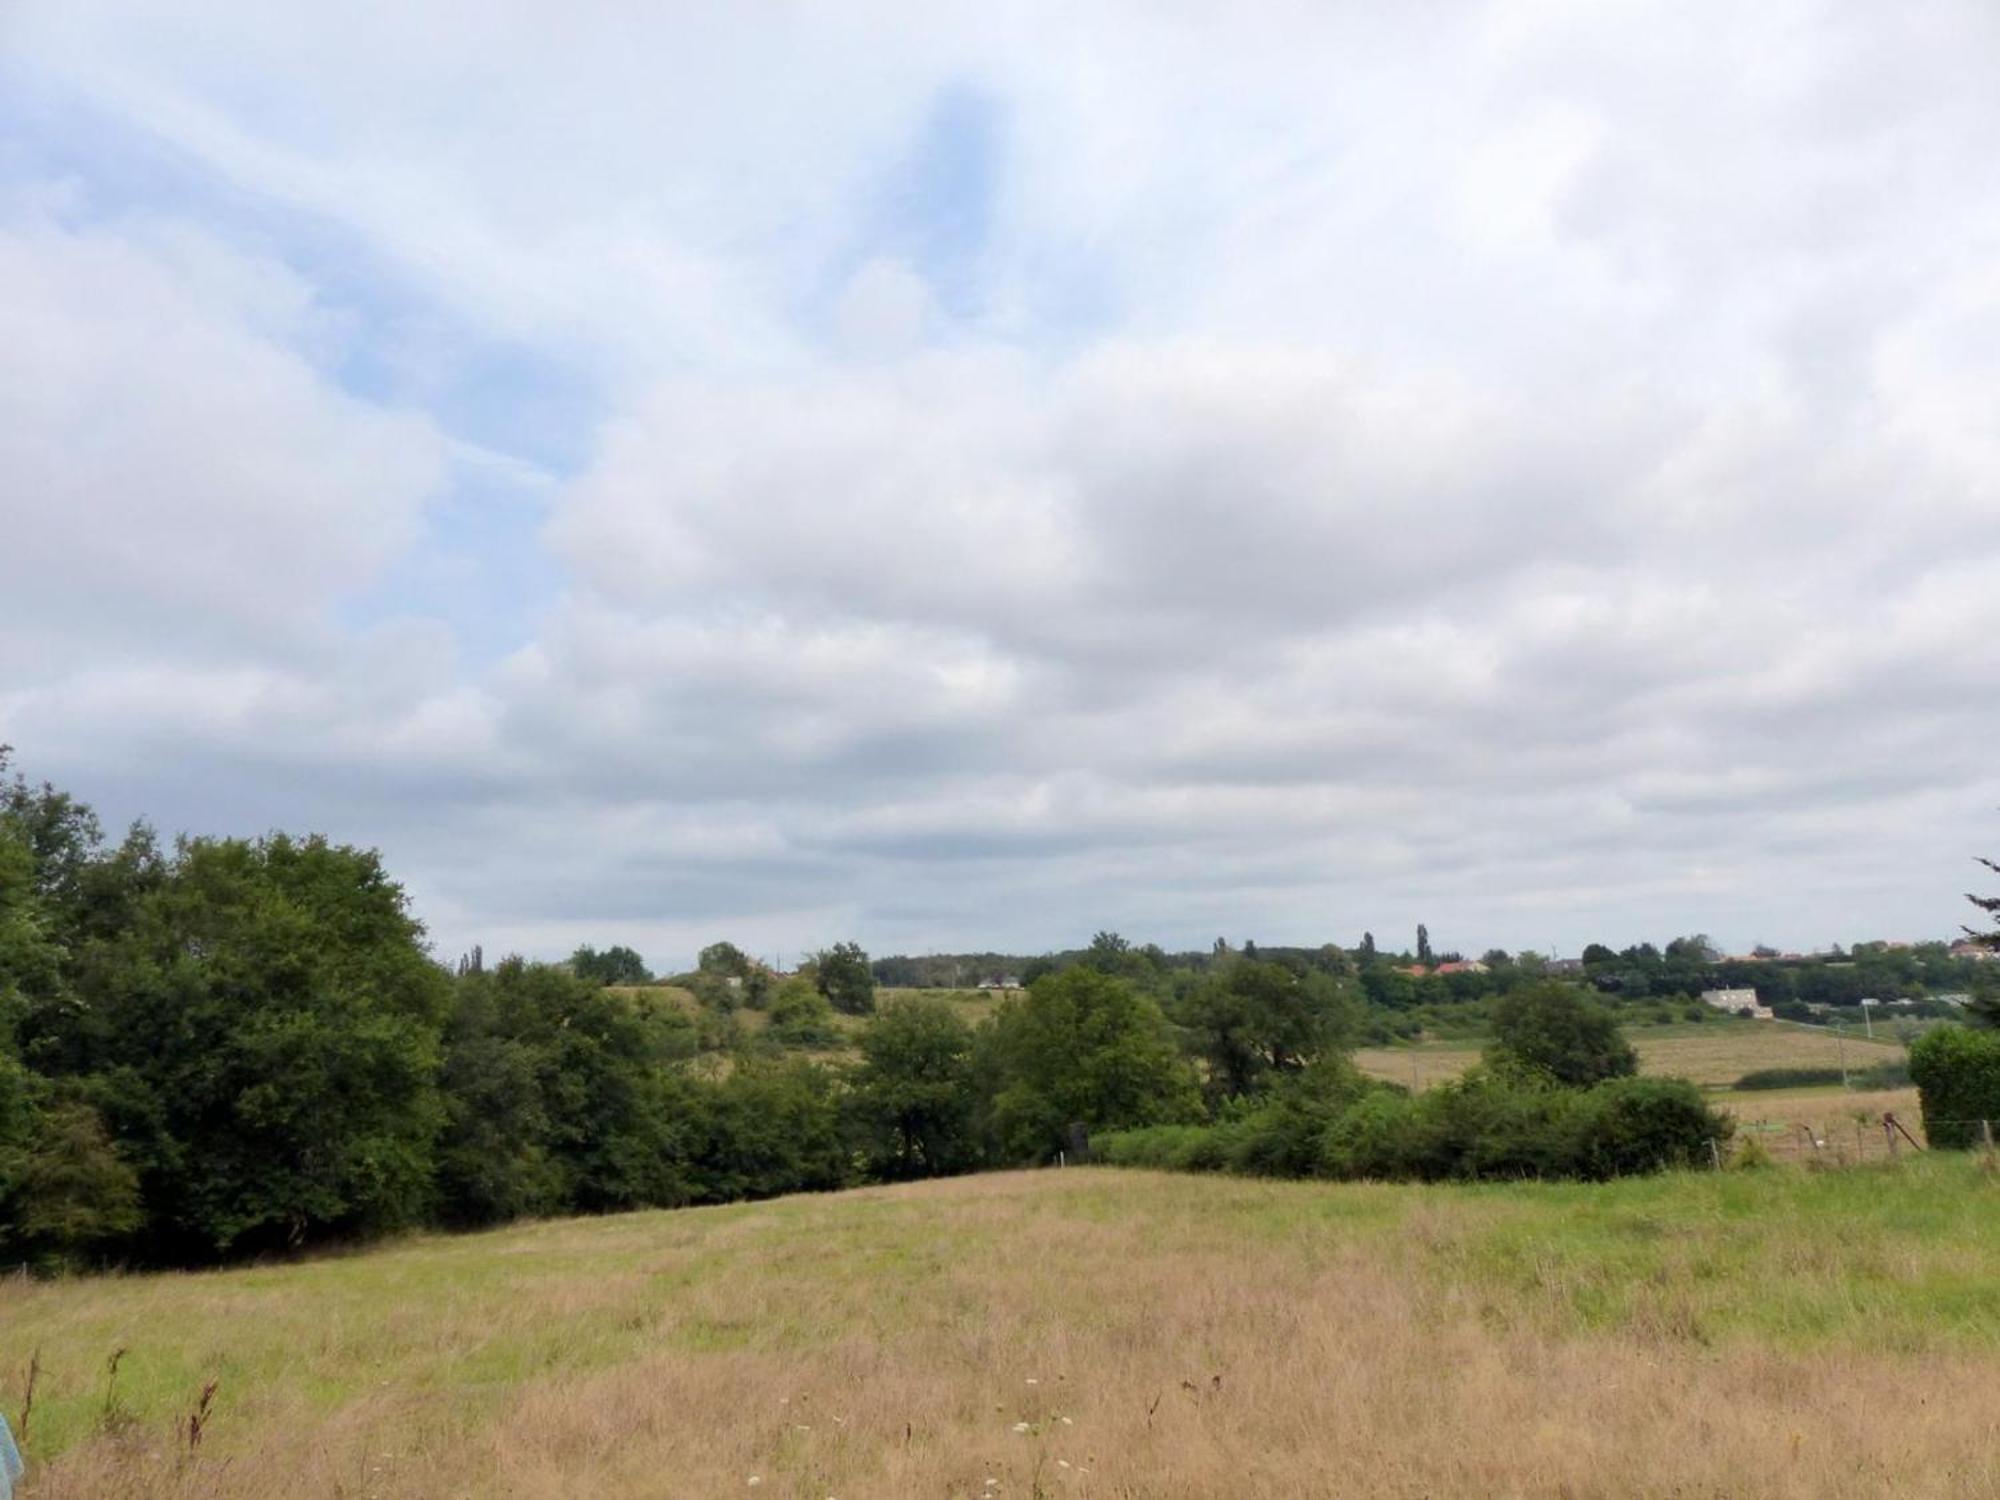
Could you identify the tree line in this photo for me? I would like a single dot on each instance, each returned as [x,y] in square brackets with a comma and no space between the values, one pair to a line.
[218,1047]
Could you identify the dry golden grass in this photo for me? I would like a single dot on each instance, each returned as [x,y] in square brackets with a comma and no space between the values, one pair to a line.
[1713,1054]
[1826,1125]
[1081,1333]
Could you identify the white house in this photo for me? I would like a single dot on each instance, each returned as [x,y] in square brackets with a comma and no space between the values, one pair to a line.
[1736,1001]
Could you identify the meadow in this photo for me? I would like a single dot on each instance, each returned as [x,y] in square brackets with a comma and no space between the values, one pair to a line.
[1712,1054]
[1081,1332]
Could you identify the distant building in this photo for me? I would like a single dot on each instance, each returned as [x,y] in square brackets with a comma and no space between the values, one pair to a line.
[1734,1002]
[1461,966]
[1966,948]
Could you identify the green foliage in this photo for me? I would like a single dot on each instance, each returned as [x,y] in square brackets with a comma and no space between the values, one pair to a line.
[843,976]
[1284,1134]
[1787,1078]
[556,1097]
[1252,1021]
[64,1190]
[1550,1027]
[615,965]
[1081,1048]
[913,1092]
[1488,1125]
[1629,1126]
[801,1017]
[769,1128]
[725,959]
[259,1032]
[1889,1075]
[1957,1073]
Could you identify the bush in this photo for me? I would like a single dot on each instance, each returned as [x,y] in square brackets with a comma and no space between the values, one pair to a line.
[1490,1125]
[1787,1078]
[1635,1125]
[1957,1073]
[1284,1135]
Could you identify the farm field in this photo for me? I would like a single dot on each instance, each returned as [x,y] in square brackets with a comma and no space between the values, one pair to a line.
[1713,1054]
[1089,1332]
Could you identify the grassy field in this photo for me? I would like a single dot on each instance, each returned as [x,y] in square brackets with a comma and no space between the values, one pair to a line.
[1713,1054]
[1088,1332]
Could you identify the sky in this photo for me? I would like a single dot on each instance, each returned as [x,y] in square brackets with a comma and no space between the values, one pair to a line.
[961,477]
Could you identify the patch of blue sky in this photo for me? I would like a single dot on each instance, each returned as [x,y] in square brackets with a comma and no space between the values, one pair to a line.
[519,422]
[938,209]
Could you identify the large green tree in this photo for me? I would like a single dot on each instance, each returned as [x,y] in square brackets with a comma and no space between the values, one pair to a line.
[1082,1048]
[913,1090]
[614,965]
[559,1095]
[1250,1021]
[258,1028]
[1551,1028]
[841,973]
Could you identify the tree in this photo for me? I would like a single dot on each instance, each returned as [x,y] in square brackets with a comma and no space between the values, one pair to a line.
[1984,1009]
[845,979]
[615,965]
[1367,948]
[259,1033]
[1424,955]
[913,1091]
[558,1096]
[1252,1020]
[1549,1027]
[725,959]
[65,1191]
[1082,1048]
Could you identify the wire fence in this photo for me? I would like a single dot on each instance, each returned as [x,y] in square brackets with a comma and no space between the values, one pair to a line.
[1841,1139]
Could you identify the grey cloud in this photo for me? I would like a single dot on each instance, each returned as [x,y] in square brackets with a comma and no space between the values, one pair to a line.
[1533,472]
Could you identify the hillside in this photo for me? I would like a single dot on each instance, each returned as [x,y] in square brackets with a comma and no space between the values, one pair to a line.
[1082,1332]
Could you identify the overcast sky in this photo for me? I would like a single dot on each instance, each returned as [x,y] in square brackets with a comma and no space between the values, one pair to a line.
[960,477]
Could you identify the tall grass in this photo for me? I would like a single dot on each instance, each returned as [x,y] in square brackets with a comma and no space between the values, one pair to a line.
[1119,1334]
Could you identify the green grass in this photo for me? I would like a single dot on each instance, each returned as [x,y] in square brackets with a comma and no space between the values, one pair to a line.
[1896,1259]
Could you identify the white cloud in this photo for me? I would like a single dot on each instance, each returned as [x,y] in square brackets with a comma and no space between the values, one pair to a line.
[1527,466]
[175,470]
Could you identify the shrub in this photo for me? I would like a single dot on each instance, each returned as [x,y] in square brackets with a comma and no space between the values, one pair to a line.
[1492,1124]
[1787,1078]
[1634,1125]
[1284,1135]
[1957,1073]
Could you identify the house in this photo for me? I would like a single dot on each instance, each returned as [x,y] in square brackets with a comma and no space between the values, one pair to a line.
[1461,966]
[1733,1002]
[1967,948]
